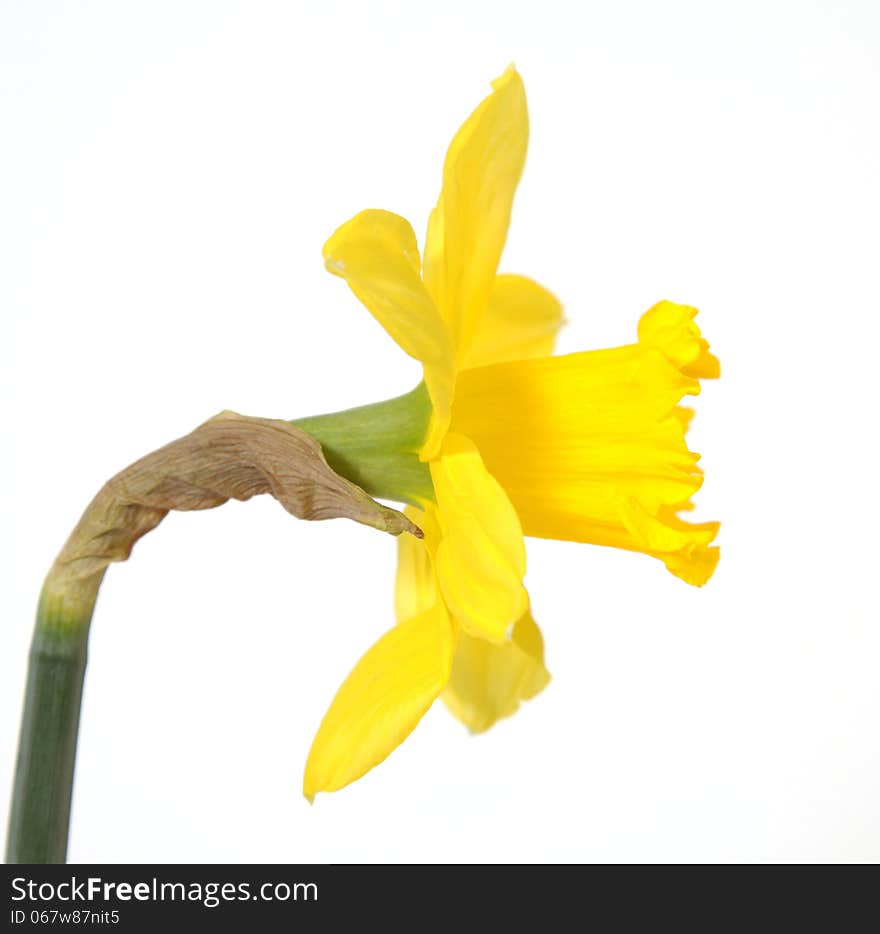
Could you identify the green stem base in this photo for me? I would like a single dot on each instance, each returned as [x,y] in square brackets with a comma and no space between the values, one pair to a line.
[38,821]
[374,446]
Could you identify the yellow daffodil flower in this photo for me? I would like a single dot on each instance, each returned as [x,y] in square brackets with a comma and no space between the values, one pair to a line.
[587,447]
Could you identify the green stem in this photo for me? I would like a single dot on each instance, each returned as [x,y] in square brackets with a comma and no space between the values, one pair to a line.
[374,446]
[40,812]
[377,446]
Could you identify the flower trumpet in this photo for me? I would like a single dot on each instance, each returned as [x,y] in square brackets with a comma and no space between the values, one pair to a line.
[502,440]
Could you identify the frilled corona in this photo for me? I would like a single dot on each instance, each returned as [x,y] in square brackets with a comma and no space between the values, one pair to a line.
[586,447]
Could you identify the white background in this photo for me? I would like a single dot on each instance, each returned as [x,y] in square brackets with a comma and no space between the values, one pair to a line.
[169,174]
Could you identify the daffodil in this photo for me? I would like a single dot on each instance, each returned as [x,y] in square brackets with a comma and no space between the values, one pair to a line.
[501,440]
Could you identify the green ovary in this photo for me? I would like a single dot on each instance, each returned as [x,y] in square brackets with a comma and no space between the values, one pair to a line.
[377,446]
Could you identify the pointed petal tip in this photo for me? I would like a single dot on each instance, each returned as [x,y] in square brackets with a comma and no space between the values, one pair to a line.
[381,701]
[509,74]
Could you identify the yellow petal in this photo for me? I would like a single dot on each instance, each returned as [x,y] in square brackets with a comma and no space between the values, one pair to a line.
[521,321]
[381,701]
[489,681]
[683,546]
[591,447]
[481,558]
[377,255]
[416,584]
[467,229]
[672,330]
